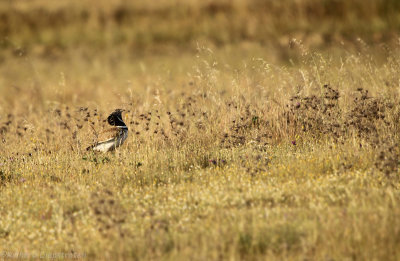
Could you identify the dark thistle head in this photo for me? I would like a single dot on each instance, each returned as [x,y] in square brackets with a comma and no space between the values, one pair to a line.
[115,118]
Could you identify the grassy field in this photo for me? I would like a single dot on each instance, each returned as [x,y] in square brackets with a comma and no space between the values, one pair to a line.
[247,142]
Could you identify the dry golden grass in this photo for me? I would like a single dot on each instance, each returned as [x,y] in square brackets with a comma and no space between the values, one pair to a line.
[235,152]
[245,161]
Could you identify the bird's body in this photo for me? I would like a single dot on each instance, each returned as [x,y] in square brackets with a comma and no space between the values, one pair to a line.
[119,136]
[113,137]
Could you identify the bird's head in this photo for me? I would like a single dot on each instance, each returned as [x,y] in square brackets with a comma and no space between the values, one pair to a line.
[115,118]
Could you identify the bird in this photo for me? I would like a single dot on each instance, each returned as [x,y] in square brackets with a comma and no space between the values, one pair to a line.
[114,137]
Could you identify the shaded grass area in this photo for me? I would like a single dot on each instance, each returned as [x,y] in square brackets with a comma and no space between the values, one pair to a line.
[47,29]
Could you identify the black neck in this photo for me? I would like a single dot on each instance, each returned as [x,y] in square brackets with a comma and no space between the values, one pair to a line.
[115,119]
[119,123]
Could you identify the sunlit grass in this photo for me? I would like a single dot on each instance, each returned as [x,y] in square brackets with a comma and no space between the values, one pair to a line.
[236,151]
[212,168]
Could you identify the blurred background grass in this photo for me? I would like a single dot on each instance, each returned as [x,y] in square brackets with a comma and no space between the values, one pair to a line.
[50,49]
[50,28]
